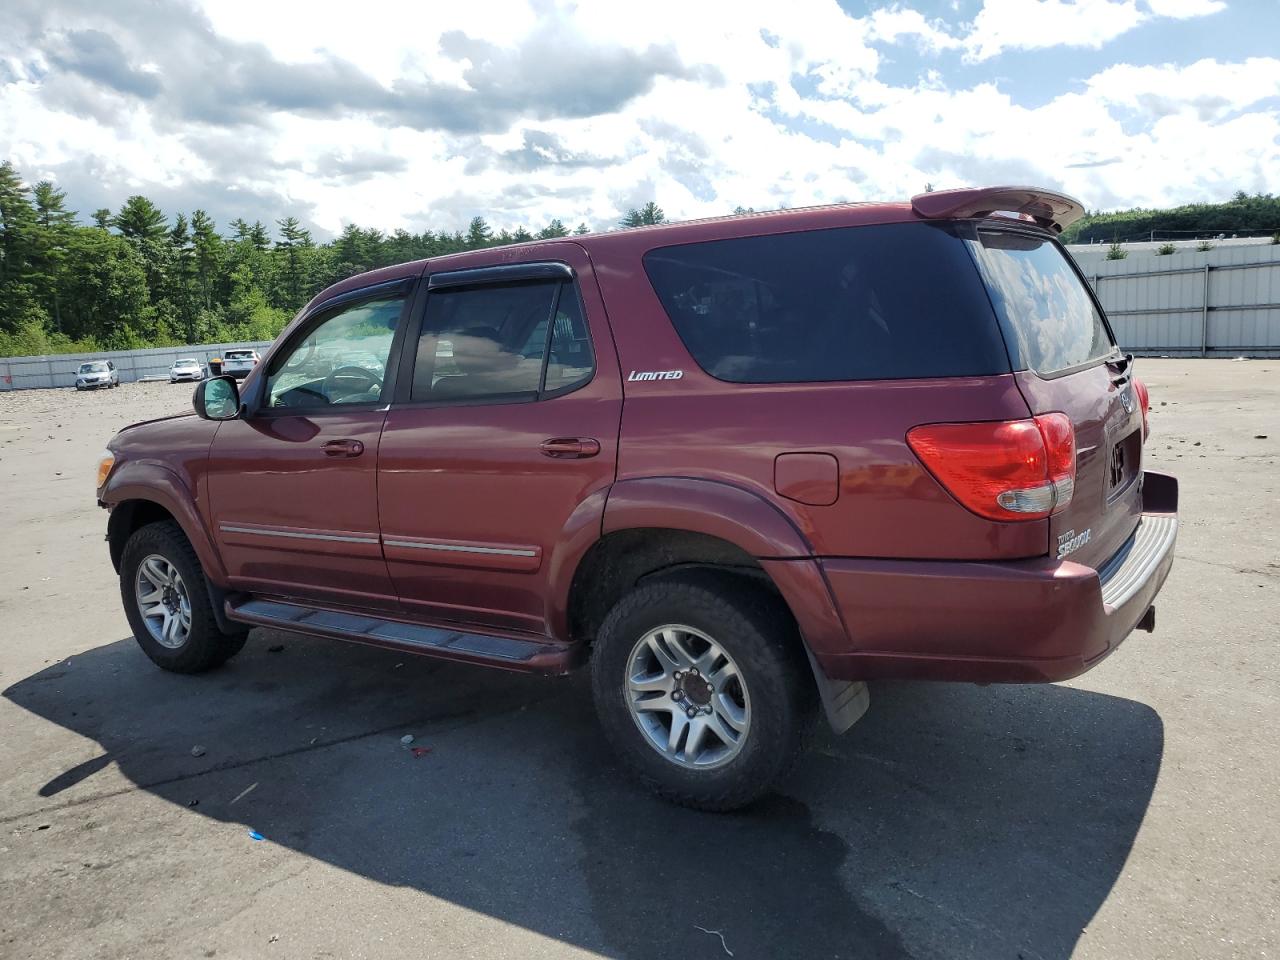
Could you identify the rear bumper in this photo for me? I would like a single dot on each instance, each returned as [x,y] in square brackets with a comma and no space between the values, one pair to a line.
[1015,622]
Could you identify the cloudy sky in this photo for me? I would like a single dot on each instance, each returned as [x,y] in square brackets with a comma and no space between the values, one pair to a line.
[424,114]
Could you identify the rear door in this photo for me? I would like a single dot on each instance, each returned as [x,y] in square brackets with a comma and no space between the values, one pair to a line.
[1068,362]
[503,436]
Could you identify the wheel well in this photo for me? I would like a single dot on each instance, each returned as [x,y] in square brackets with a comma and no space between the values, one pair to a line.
[128,517]
[620,560]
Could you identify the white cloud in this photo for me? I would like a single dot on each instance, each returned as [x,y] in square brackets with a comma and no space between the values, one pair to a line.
[893,24]
[266,109]
[1035,24]
[1186,8]
[1038,24]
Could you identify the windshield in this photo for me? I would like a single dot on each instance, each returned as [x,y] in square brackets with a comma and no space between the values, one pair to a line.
[93,368]
[185,363]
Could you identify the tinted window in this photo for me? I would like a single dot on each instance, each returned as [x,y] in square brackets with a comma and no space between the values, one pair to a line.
[342,360]
[570,361]
[1046,310]
[492,341]
[858,303]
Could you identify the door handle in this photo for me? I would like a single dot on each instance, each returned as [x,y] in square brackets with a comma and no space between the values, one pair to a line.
[570,448]
[342,448]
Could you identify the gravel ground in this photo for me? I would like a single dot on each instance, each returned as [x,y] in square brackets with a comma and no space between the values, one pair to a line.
[1128,814]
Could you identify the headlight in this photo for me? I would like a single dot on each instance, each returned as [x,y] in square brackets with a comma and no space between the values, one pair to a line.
[105,463]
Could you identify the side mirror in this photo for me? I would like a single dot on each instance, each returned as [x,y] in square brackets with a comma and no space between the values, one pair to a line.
[217,399]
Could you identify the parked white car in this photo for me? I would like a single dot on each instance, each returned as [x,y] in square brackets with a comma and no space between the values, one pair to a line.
[187,368]
[238,363]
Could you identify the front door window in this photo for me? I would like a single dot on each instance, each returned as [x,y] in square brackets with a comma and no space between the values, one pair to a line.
[343,360]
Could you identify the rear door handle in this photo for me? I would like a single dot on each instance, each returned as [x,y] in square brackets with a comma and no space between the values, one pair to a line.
[342,448]
[570,448]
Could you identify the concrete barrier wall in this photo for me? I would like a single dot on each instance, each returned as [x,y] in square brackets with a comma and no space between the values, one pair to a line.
[25,373]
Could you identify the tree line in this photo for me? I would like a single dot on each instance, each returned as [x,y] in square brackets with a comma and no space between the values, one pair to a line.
[1242,215]
[134,278]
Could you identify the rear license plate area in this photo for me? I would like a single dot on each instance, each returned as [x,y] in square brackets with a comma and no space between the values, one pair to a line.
[1122,464]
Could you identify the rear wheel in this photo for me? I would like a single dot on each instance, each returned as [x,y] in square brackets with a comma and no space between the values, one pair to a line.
[701,686]
[167,603]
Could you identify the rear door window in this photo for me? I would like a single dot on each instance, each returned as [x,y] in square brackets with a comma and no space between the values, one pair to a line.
[879,302]
[511,341]
[1048,315]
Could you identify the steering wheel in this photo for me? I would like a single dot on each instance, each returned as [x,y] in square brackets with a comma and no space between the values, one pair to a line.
[372,380]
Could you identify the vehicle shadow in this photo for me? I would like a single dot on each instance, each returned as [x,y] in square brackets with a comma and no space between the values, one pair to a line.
[952,821]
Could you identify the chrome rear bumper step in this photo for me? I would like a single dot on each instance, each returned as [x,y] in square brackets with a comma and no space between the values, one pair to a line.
[1130,566]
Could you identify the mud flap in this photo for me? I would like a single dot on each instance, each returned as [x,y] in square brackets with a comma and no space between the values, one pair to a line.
[843,701]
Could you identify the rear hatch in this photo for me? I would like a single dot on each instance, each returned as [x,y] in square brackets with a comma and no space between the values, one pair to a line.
[1068,362]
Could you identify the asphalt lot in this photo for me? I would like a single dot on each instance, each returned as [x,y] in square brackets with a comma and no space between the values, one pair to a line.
[1132,813]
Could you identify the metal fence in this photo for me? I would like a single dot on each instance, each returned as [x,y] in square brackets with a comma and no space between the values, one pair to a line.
[59,370]
[1220,302]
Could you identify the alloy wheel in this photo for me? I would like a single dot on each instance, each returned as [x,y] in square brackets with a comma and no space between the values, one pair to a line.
[163,601]
[687,696]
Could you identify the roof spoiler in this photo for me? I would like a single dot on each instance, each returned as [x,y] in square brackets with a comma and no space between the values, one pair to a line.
[1054,211]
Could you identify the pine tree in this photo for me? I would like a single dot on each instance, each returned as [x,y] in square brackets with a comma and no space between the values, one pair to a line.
[479,234]
[55,223]
[647,215]
[140,219]
[19,304]
[293,249]
[553,229]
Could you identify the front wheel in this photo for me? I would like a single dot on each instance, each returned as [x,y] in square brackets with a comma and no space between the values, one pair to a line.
[700,684]
[167,603]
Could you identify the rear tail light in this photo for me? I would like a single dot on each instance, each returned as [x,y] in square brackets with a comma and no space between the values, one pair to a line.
[1007,470]
[1144,401]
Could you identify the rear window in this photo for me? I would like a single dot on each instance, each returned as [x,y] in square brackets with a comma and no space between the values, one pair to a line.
[856,303]
[239,354]
[1048,316]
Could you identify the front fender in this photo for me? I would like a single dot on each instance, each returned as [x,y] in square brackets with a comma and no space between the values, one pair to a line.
[156,483]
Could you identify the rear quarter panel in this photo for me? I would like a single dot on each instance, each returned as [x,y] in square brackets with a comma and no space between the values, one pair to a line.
[888,505]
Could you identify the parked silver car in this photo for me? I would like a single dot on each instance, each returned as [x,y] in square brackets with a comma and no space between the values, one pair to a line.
[97,373]
[188,368]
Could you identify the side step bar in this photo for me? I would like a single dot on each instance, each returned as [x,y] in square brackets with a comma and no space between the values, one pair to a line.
[510,653]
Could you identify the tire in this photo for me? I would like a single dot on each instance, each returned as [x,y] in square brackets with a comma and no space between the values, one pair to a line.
[773,703]
[201,646]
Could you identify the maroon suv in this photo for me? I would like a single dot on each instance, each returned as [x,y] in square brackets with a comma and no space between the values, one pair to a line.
[742,465]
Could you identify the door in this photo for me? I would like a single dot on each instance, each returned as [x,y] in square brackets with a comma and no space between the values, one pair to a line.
[293,483]
[505,426]
[1072,365]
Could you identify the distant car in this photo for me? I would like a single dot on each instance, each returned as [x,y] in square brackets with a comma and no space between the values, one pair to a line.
[187,368]
[238,363]
[97,373]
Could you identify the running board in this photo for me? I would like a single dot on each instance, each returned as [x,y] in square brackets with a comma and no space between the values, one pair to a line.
[510,653]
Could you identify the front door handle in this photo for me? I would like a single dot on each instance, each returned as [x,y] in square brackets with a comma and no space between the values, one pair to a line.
[342,448]
[570,448]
